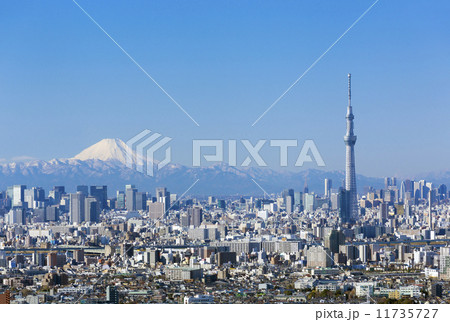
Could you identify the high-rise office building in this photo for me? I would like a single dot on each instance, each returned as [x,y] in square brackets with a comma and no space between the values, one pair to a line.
[120,204]
[77,207]
[56,194]
[343,206]
[383,212]
[52,213]
[289,204]
[60,189]
[309,202]
[34,197]
[288,196]
[350,174]
[328,186]
[16,216]
[39,214]
[430,209]
[156,210]
[162,195]
[195,216]
[101,194]
[130,197]
[92,210]
[298,199]
[406,190]
[442,191]
[84,189]
[18,195]
[141,201]
[390,183]
[334,240]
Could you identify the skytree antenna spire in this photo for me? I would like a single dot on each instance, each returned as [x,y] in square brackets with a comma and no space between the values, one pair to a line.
[350,173]
[349,89]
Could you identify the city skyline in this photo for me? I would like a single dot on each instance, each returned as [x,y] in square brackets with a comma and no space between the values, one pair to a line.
[180,239]
[204,152]
[252,62]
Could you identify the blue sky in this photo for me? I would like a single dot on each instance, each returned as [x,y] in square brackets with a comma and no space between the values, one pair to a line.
[64,85]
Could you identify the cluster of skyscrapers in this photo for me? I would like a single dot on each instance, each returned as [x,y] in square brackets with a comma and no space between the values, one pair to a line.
[20,205]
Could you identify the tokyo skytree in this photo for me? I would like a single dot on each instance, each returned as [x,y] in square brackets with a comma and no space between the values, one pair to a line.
[350,175]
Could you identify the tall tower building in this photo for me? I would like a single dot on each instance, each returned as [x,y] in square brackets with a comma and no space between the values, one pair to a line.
[77,207]
[196,216]
[130,197]
[350,140]
[328,185]
[101,194]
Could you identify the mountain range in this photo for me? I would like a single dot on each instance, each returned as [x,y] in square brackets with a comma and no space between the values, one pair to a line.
[105,163]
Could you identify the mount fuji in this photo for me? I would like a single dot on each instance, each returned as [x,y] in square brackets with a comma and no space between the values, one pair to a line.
[105,163]
[107,150]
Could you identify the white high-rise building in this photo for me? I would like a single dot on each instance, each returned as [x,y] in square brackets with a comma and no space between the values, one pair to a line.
[18,195]
[328,186]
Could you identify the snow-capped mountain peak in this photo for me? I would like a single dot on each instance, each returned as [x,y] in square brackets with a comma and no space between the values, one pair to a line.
[109,150]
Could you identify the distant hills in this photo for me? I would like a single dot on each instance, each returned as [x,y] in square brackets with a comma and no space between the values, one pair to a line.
[104,163]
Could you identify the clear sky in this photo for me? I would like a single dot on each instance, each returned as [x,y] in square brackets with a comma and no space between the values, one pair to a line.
[64,85]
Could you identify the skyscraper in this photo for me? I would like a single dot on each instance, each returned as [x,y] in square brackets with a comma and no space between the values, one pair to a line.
[288,196]
[195,216]
[84,189]
[91,210]
[162,195]
[34,197]
[101,194]
[56,194]
[343,206]
[77,207]
[141,201]
[328,186]
[350,140]
[130,197]
[334,240]
[52,213]
[18,196]
[120,204]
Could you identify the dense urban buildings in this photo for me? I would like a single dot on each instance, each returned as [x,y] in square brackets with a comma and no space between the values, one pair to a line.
[68,247]
[85,244]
